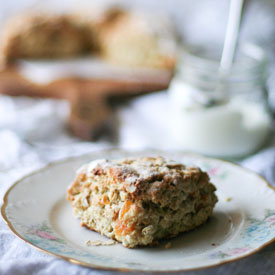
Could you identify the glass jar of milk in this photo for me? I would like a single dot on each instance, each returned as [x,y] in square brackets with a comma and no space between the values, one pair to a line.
[221,115]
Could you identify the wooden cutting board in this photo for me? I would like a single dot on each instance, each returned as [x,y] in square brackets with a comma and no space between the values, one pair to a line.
[90,99]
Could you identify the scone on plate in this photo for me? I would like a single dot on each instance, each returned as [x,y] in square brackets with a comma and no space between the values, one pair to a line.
[138,201]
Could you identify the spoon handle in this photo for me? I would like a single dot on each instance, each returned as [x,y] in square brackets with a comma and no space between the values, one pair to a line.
[231,36]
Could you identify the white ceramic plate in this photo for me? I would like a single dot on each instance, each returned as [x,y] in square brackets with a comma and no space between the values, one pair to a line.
[243,221]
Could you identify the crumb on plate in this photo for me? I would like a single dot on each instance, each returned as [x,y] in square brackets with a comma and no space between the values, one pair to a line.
[98,242]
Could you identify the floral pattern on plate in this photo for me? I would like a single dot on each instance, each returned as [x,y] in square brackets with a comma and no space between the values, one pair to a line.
[256,231]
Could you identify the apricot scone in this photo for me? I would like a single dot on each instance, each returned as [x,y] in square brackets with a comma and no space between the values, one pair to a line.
[125,38]
[138,201]
[38,36]
[138,39]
